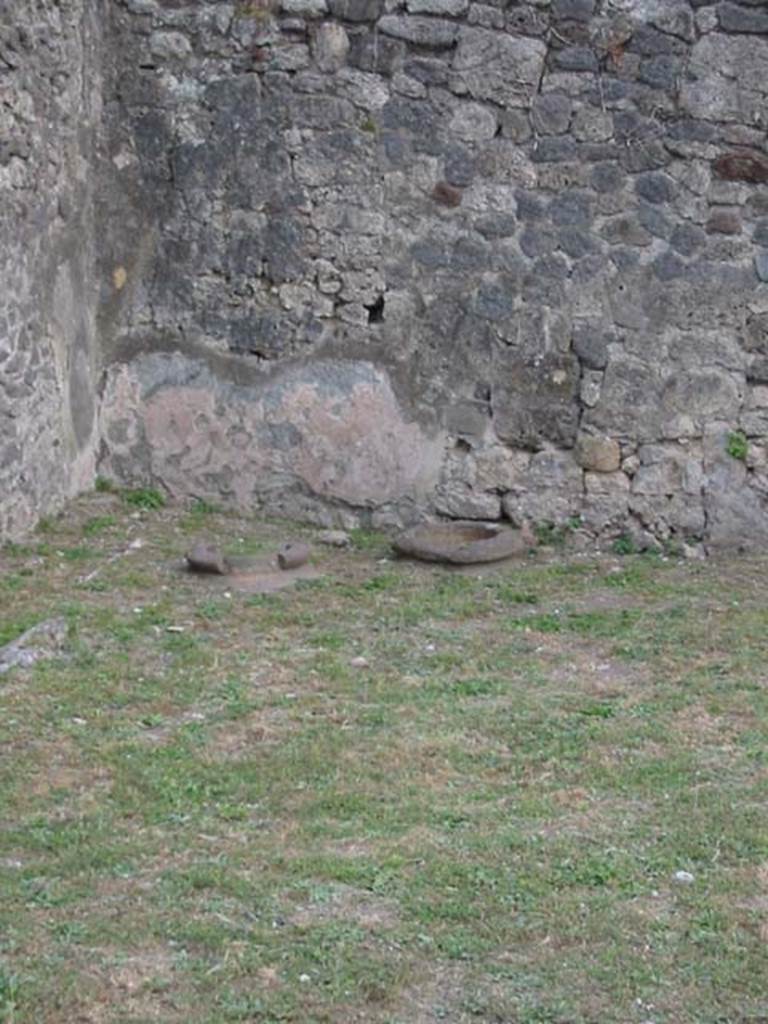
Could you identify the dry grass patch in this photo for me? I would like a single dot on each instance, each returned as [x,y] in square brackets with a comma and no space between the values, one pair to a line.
[344,903]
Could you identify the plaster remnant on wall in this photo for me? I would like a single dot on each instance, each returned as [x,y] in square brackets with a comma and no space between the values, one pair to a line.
[332,430]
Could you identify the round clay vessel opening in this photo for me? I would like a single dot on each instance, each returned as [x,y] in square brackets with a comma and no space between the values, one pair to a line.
[458,533]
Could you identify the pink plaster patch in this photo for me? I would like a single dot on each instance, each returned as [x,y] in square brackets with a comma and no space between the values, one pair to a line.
[350,444]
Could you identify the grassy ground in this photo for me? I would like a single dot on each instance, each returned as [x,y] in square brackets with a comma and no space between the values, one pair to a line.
[395,794]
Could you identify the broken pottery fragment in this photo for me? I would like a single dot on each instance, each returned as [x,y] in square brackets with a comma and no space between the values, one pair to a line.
[207,557]
[335,538]
[293,555]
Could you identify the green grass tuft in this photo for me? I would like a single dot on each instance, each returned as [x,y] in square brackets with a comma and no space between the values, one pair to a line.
[737,445]
[145,498]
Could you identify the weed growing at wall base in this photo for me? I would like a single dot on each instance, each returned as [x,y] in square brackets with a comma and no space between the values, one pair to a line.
[625,545]
[146,498]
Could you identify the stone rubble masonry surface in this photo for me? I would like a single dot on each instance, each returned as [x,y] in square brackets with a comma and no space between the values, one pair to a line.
[362,261]
[50,109]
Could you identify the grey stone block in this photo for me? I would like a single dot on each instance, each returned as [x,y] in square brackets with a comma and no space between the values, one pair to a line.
[427,70]
[668,266]
[446,8]
[554,150]
[654,221]
[571,209]
[503,69]
[661,72]
[527,21]
[650,42]
[590,344]
[530,207]
[491,225]
[608,177]
[551,113]
[356,10]
[761,264]
[576,58]
[378,54]
[576,243]
[433,33]
[459,166]
[549,410]
[536,241]
[494,301]
[755,335]
[737,18]
[687,239]
[625,230]
[655,187]
[515,125]
[573,10]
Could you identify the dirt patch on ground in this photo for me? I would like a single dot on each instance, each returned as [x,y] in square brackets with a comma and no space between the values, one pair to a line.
[254,576]
[136,983]
[450,994]
[695,725]
[760,903]
[586,668]
[594,819]
[345,903]
[351,848]
[60,775]
[755,902]
[238,740]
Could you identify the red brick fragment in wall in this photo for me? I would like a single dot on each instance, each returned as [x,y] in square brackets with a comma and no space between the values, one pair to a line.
[724,222]
[742,165]
[447,195]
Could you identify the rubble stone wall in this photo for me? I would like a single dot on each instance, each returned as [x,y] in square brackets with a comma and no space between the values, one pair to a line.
[50,108]
[368,260]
